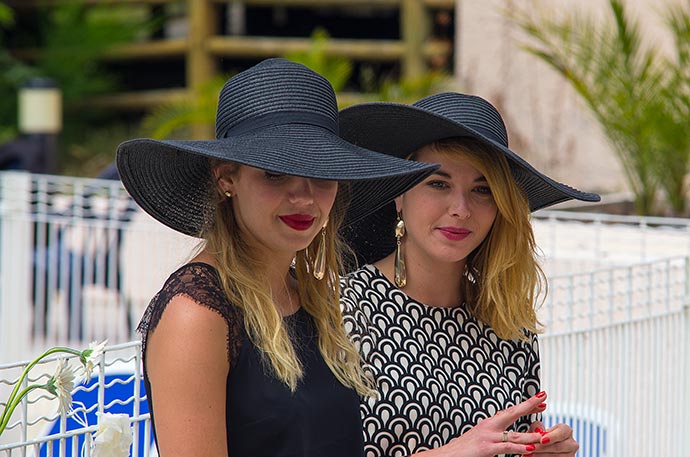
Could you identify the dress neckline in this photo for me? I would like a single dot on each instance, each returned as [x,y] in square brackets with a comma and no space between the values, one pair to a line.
[214,270]
[375,272]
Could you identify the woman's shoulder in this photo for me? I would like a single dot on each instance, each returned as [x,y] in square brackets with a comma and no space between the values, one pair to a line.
[193,289]
[199,283]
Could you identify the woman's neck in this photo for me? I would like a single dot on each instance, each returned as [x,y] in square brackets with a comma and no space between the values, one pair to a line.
[431,283]
[277,274]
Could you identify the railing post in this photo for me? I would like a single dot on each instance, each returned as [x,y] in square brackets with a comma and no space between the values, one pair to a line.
[685,358]
[15,265]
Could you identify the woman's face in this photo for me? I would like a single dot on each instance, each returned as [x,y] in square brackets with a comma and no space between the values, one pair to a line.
[277,213]
[449,214]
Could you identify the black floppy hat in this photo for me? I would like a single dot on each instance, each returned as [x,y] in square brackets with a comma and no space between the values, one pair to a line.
[398,130]
[279,116]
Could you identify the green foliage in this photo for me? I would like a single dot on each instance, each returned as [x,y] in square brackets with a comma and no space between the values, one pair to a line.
[640,98]
[175,117]
[410,90]
[91,152]
[12,74]
[6,15]
[337,70]
[74,37]
[69,40]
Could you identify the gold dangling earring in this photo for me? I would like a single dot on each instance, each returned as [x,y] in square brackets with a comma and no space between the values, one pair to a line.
[320,260]
[228,194]
[400,277]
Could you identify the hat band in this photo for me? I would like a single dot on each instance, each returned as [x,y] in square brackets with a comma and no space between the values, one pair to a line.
[280,118]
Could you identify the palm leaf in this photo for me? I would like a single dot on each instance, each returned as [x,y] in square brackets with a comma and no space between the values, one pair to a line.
[627,86]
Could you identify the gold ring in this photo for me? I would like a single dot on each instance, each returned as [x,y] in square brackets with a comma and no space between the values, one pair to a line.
[505,436]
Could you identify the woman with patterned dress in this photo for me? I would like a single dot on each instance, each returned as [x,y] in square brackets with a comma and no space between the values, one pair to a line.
[244,350]
[443,311]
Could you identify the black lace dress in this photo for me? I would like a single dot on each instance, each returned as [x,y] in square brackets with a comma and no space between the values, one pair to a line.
[321,418]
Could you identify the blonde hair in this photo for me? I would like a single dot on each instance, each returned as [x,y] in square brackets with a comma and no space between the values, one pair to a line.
[503,278]
[242,275]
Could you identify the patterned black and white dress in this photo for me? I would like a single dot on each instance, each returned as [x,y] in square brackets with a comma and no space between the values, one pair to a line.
[439,371]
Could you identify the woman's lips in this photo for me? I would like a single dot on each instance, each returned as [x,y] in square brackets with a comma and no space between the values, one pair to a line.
[454,233]
[298,221]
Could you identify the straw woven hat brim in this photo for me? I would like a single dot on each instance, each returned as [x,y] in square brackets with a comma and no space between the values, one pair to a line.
[171,180]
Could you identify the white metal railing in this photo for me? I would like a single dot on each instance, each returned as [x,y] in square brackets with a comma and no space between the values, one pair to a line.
[615,358]
[78,262]
[37,429]
[574,242]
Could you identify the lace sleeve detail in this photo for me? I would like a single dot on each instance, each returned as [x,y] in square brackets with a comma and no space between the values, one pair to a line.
[200,282]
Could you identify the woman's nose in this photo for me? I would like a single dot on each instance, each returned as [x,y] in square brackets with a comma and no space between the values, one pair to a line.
[301,191]
[459,207]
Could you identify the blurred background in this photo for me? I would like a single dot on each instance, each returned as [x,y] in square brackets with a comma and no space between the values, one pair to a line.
[595,93]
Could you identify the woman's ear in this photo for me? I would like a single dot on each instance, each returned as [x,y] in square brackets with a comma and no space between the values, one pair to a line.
[398,203]
[223,175]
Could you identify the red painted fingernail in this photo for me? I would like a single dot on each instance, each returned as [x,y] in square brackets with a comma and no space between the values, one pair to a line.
[541,405]
[545,440]
[529,448]
[539,430]
[541,394]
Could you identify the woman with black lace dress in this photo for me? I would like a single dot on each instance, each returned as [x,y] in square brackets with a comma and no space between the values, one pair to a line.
[244,353]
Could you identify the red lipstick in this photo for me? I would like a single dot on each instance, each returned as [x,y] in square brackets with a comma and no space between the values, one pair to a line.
[298,221]
[454,233]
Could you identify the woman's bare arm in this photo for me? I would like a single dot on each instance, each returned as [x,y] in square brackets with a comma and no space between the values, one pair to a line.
[187,366]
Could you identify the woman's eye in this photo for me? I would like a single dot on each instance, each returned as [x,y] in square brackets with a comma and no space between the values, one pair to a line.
[437,184]
[273,176]
[484,190]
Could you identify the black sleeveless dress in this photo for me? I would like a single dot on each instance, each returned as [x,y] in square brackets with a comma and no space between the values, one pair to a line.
[263,417]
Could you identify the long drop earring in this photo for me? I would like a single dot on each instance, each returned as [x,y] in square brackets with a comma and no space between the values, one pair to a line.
[400,276]
[320,260]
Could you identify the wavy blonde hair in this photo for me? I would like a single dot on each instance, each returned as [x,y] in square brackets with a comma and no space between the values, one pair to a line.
[242,275]
[503,279]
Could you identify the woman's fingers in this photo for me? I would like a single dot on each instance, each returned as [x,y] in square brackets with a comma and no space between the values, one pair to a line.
[508,416]
[521,438]
[556,441]
[557,433]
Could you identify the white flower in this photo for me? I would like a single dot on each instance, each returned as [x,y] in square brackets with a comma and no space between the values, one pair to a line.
[90,357]
[61,384]
[113,437]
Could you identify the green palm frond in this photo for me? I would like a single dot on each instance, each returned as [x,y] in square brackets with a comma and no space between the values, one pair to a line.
[639,98]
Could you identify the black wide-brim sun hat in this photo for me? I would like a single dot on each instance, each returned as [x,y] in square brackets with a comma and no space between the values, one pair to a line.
[398,130]
[278,116]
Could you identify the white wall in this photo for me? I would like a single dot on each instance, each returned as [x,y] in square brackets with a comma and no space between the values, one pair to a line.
[547,123]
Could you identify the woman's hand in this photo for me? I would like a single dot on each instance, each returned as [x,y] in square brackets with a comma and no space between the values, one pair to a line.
[489,437]
[557,441]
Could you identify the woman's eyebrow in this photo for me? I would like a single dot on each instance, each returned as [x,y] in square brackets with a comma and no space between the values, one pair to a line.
[446,175]
[441,173]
